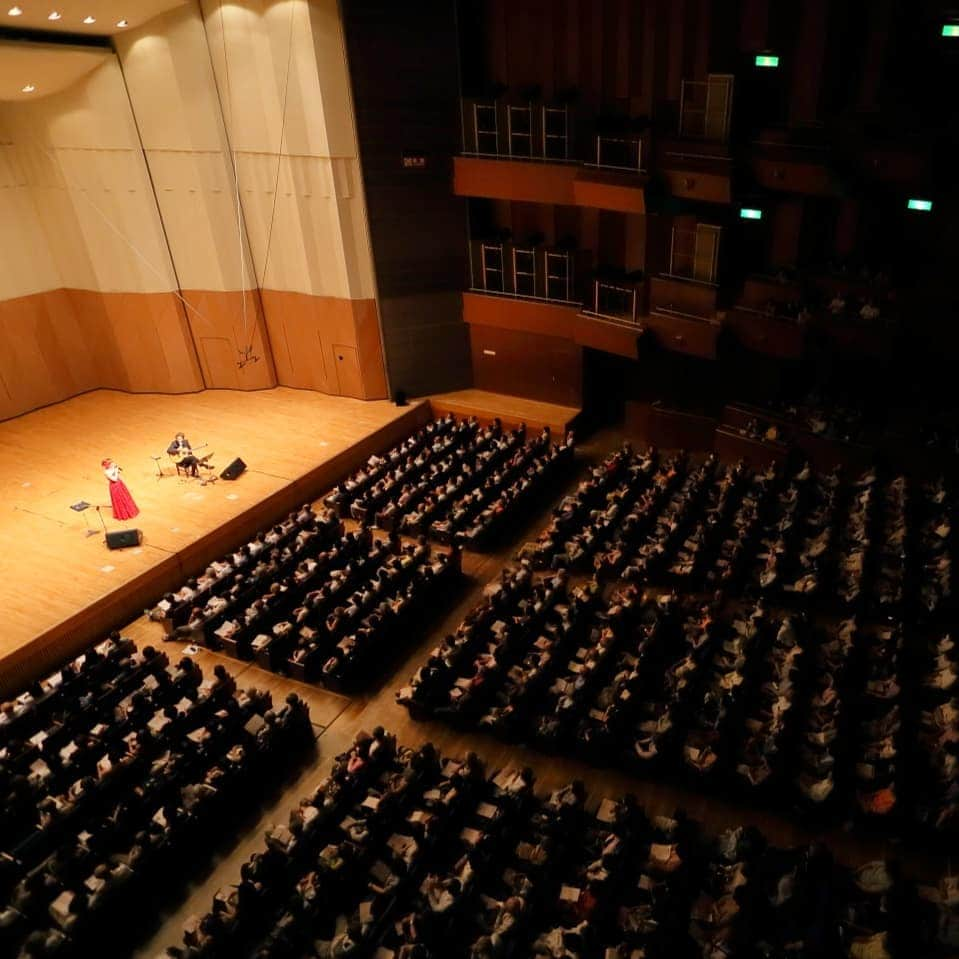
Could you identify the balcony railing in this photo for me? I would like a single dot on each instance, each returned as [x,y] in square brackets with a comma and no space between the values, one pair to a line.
[619,300]
[535,271]
[618,153]
[516,130]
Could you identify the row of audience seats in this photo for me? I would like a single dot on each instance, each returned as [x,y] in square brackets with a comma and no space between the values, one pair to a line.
[114,771]
[735,698]
[403,854]
[311,599]
[872,546]
[452,480]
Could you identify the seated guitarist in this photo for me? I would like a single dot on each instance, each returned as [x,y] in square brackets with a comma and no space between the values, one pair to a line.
[182,454]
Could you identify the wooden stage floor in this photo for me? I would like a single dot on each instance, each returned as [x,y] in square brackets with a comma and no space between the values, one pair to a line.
[55,580]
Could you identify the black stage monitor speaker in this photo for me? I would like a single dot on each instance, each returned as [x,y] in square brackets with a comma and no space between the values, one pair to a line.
[234,470]
[399,398]
[122,538]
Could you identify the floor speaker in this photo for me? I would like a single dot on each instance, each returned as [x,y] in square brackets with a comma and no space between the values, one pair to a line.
[234,470]
[399,398]
[122,538]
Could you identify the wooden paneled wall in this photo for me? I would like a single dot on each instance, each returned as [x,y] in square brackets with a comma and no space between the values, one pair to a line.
[187,210]
[620,53]
[546,368]
[631,56]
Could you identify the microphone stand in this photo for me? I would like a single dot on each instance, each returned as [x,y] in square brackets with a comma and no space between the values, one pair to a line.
[104,523]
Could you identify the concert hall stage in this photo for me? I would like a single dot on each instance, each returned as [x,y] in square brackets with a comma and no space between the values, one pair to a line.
[59,587]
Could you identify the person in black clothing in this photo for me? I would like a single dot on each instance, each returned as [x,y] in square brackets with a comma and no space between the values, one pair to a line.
[182,453]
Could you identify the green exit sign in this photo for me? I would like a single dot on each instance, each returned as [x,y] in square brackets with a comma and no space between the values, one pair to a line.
[915,204]
[950,29]
[766,60]
[750,213]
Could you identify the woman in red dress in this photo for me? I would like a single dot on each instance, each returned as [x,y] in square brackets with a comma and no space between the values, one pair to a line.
[120,498]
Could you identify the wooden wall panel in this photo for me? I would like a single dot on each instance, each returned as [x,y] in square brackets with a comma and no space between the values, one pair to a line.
[786,227]
[847,227]
[35,369]
[880,20]
[701,34]
[304,330]
[295,324]
[539,367]
[753,25]
[63,342]
[173,94]
[152,350]
[502,179]
[369,347]
[676,48]
[236,317]
[809,51]
[648,59]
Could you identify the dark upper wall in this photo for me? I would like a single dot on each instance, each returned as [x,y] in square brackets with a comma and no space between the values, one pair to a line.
[852,73]
[405,77]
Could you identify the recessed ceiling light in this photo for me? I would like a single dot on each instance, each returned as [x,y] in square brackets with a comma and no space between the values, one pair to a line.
[14,12]
[29,88]
[123,23]
[54,15]
[89,19]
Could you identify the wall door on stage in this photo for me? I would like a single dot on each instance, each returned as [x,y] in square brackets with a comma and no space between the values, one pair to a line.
[347,364]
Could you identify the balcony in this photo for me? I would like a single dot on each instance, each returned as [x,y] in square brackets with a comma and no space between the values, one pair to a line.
[533,271]
[562,184]
[767,333]
[515,148]
[618,296]
[545,318]
[791,169]
[682,315]
[688,177]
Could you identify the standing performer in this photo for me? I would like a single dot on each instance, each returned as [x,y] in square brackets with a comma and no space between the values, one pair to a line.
[120,498]
[182,454]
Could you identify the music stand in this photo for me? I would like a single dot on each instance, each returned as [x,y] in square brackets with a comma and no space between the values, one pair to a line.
[156,460]
[81,506]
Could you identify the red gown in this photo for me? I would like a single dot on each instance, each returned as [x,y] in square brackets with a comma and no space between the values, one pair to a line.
[121,500]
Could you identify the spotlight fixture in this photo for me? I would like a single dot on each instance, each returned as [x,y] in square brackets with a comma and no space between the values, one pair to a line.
[123,23]
[29,88]
[14,12]
[54,15]
[89,19]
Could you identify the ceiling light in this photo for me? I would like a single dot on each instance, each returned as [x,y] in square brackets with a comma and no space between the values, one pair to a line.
[29,88]
[89,19]
[123,23]
[14,12]
[54,15]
